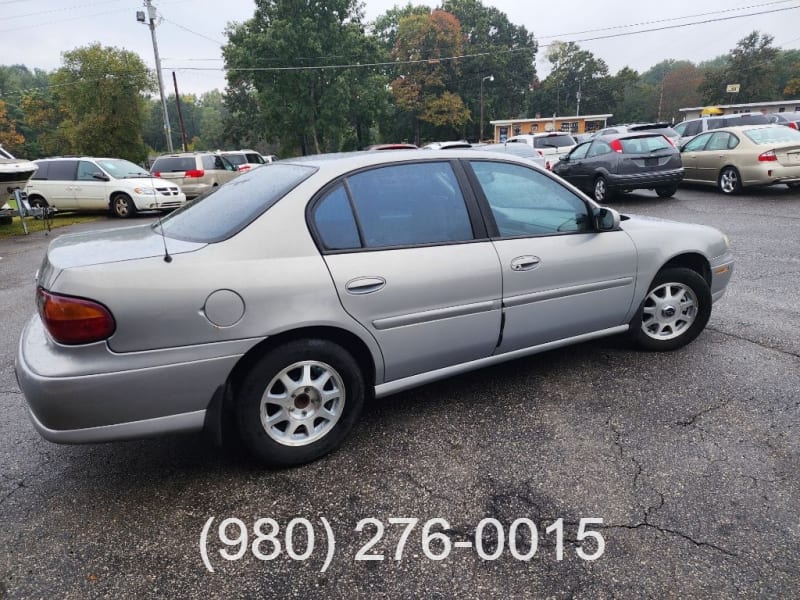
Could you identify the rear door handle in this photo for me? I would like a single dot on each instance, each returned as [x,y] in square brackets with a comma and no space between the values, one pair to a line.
[525,263]
[365,285]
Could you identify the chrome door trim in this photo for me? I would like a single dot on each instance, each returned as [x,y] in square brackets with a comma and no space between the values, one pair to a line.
[436,314]
[562,292]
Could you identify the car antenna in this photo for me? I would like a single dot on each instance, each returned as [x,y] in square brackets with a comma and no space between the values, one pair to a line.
[167,257]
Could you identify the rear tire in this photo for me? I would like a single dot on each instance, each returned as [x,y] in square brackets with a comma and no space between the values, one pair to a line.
[729,182]
[298,402]
[674,312]
[666,191]
[37,202]
[122,206]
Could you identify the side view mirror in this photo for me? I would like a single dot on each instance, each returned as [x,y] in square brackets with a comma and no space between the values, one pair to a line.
[606,219]
[565,158]
[100,176]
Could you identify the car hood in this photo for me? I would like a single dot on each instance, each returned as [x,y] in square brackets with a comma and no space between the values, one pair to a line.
[108,246]
[663,234]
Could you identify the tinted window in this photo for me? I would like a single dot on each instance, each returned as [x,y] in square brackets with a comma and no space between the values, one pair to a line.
[254,158]
[598,147]
[553,141]
[333,219]
[404,205]
[41,172]
[693,128]
[231,207]
[748,120]
[641,145]
[236,159]
[62,170]
[580,151]
[525,202]
[174,164]
[697,143]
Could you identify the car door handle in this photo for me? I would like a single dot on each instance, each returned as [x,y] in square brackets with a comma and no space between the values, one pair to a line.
[365,285]
[525,263]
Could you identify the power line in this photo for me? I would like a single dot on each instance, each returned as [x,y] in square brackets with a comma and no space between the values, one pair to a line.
[163,18]
[55,10]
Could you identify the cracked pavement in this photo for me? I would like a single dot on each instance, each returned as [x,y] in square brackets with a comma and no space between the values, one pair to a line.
[691,459]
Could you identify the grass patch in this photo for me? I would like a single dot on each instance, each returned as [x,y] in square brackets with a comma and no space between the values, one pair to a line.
[35,225]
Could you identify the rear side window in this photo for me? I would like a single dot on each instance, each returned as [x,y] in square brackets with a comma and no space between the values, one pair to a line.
[41,172]
[62,170]
[749,120]
[174,164]
[334,221]
[230,208]
[405,205]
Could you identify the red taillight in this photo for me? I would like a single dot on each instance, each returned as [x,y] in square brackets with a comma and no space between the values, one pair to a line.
[156,173]
[793,125]
[74,320]
[195,173]
[768,156]
[244,168]
[616,146]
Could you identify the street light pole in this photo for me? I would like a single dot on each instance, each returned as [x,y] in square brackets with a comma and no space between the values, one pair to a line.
[490,78]
[151,15]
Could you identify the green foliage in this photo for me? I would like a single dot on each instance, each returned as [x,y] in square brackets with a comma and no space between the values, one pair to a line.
[99,95]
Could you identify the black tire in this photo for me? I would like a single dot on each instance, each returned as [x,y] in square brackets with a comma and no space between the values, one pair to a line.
[37,202]
[122,206]
[666,191]
[729,181]
[274,445]
[661,325]
[601,192]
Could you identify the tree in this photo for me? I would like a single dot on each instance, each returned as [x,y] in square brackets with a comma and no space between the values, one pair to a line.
[425,46]
[751,64]
[306,101]
[100,94]
[9,136]
[675,82]
[496,47]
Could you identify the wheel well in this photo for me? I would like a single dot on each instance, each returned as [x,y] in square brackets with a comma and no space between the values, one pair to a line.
[693,261]
[345,339]
[113,195]
[33,197]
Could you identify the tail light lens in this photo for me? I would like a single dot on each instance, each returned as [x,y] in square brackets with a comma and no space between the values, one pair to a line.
[195,173]
[244,168]
[616,146]
[793,125]
[768,156]
[73,320]
[156,173]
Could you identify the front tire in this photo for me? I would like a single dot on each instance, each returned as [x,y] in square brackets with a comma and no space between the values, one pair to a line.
[729,181]
[122,206]
[666,191]
[602,193]
[674,312]
[298,402]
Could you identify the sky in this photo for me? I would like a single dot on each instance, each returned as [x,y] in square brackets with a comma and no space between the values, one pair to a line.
[36,32]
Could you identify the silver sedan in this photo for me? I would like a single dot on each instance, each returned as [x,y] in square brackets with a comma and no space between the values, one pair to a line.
[274,306]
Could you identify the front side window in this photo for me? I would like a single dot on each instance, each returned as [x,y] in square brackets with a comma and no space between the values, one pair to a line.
[410,204]
[87,171]
[580,151]
[525,202]
[722,140]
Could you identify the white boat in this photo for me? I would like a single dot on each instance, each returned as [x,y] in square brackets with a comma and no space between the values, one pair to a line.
[14,173]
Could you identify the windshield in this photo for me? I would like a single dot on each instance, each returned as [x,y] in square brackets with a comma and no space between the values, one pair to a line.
[121,169]
[773,135]
[229,208]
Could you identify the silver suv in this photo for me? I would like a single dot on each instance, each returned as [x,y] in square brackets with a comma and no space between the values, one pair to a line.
[195,172]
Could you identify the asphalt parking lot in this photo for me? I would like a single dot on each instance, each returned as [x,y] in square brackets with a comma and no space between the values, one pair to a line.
[691,459]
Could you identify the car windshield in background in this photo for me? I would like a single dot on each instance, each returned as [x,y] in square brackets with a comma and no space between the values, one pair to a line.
[773,135]
[230,208]
[174,164]
[122,168]
[551,141]
[639,145]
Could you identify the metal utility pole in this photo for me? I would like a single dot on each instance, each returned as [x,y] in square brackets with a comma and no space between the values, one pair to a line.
[490,78]
[151,15]
[578,97]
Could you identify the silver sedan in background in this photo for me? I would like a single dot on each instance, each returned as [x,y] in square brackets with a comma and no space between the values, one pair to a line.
[274,306]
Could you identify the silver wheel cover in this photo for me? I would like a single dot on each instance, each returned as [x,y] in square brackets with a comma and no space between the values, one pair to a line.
[302,403]
[728,181]
[669,311]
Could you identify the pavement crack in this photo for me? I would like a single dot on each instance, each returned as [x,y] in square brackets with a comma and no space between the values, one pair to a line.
[680,534]
[10,392]
[757,343]
[697,415]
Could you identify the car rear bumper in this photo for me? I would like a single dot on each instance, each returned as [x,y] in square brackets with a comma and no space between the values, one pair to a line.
[88,393]
[646,180]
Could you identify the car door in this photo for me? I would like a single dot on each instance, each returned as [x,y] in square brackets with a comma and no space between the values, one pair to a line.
[715,155]
[574,168]
[91,186]
[59,187]
[407,263]
[690,155]
[561,278]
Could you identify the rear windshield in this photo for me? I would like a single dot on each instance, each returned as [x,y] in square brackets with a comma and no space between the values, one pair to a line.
[228,209]
[553,141]
[773,135]
[173,164]
[643,145]
[237,159]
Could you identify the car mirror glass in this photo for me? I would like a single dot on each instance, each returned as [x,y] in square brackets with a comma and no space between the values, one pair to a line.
[606,219]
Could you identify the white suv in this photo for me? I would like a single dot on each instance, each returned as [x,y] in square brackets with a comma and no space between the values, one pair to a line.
[552,145]
[113,184]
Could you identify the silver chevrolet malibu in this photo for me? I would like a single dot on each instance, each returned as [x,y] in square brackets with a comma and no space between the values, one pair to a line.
[275,306]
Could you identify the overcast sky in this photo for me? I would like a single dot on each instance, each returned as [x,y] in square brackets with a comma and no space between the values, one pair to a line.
[36,32]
